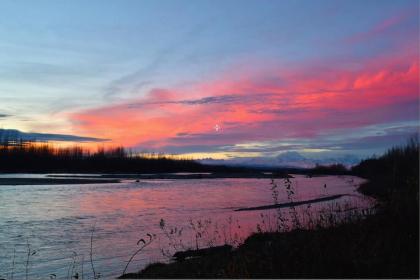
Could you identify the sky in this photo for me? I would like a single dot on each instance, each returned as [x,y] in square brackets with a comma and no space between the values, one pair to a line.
[218,79]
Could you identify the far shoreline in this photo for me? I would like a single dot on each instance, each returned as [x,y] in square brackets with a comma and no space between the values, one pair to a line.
[181,175]
[107,178]
[53,181]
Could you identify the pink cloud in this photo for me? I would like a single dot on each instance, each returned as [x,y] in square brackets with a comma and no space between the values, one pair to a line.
[273,105]
[383,26]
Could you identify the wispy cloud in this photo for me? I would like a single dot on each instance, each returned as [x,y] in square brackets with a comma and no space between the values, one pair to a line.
[143,76]
[384,26]
[13,134]
[208,100]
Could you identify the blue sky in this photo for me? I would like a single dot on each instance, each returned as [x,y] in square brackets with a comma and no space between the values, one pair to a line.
[61,59]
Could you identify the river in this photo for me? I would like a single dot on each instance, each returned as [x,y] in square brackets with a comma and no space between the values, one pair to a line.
[55,223]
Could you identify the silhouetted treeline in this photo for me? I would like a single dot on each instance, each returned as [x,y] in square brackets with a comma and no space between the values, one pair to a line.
[333,169]
[396,170]
[19,156]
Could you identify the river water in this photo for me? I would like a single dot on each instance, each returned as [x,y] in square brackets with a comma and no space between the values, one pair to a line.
[55,223]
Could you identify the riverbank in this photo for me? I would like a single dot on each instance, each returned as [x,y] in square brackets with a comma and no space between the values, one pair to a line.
[347,251]
[53,181]
[68,179]
[184,176]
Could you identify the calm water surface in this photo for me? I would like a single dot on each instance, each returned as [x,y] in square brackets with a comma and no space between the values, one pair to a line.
[57,220]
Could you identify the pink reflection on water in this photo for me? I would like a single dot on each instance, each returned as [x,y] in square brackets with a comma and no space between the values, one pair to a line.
[61,218]
[203,210]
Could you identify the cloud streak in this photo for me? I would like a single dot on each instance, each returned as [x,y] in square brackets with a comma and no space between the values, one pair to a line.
[13,134]
[384,26]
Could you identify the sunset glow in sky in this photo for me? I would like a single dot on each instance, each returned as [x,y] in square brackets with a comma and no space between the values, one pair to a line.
[214,78]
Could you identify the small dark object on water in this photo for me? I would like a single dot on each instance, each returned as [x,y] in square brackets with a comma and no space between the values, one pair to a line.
[325,186]
[180,256]
[137,181]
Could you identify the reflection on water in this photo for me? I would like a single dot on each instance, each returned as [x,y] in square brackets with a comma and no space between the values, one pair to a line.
[57,220]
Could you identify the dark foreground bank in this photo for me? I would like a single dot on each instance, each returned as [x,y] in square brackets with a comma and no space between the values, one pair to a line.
[365,249]
[364,245]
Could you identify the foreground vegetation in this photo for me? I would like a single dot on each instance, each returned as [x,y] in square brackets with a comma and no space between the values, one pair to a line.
[362,245]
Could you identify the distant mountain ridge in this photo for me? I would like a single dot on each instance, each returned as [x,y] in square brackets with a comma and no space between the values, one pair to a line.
[287,159]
